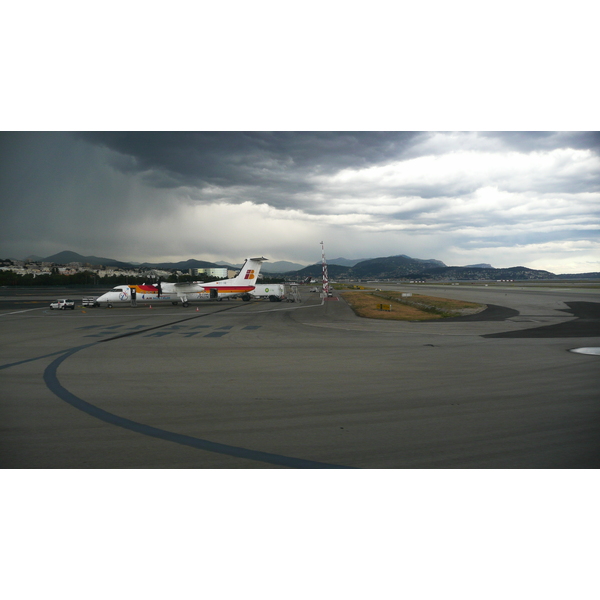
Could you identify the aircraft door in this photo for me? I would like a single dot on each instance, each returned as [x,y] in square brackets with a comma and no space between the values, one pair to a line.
[214,294]
[133,296]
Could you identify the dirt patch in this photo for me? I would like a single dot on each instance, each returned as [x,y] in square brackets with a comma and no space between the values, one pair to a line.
[411,308]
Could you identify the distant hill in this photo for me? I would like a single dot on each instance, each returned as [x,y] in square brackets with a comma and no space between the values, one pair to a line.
[394,266]
[66,257]
[390,267]
[279,266]
[183,265]
[351,262]
[491,274]
[593,275]
[316,270]
[345,262]
[221,263]
[428,261]
[372,268]
[405,267]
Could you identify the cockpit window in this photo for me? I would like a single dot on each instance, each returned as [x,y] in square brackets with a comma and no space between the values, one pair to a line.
[117,290]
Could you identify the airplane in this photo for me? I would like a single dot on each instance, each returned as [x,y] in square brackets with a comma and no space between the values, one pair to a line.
[238,287]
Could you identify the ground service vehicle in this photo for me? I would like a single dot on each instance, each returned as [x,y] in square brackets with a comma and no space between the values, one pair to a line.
[63,304]
[275,292]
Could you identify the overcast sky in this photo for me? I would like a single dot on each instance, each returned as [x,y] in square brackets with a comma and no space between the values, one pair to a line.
[506,199]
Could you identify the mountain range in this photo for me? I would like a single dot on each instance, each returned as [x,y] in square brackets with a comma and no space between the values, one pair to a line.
[66,257]
[390,267]
[279,266]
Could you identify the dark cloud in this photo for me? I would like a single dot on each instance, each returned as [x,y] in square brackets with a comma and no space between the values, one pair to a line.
[531,141]
[148,195]
[249,158]
[57,192]
[279,166]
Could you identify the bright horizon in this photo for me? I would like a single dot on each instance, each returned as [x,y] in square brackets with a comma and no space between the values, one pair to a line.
[239,263]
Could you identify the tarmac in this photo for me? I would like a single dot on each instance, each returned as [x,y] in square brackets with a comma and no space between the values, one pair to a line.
[256,385]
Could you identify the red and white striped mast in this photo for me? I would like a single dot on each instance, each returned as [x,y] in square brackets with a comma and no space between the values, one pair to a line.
[325,275]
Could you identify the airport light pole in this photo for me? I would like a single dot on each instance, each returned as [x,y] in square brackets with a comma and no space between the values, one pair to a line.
[325,274]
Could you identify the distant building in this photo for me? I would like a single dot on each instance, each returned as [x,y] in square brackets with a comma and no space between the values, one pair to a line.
[220,272]
[158,273]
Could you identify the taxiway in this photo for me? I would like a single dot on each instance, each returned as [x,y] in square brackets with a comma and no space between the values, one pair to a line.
[262,385]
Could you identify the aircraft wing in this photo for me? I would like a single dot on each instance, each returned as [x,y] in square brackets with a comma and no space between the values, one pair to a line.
[187,288]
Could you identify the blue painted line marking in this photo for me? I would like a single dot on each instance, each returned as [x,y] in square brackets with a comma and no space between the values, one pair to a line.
[227,327]
[54,385]
[27,360]
[159,334]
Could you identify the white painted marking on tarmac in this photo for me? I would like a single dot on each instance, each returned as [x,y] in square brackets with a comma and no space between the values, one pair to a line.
[280,309]
[22,311]
[394,332]
[591,351]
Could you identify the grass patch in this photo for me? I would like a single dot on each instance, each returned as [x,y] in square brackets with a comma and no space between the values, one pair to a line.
[413,308]
[347,286]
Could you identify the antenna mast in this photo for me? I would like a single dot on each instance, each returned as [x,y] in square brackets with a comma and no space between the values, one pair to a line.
[325,275]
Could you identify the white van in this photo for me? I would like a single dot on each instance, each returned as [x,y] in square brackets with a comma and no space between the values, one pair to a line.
[63,304]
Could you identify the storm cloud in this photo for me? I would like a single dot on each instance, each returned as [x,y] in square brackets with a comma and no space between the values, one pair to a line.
[462,197]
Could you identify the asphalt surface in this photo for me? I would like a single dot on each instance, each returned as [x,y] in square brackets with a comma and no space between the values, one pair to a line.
[308,385]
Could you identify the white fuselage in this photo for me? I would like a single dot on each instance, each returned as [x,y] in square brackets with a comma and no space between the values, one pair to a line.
[122,294]
[239,286]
